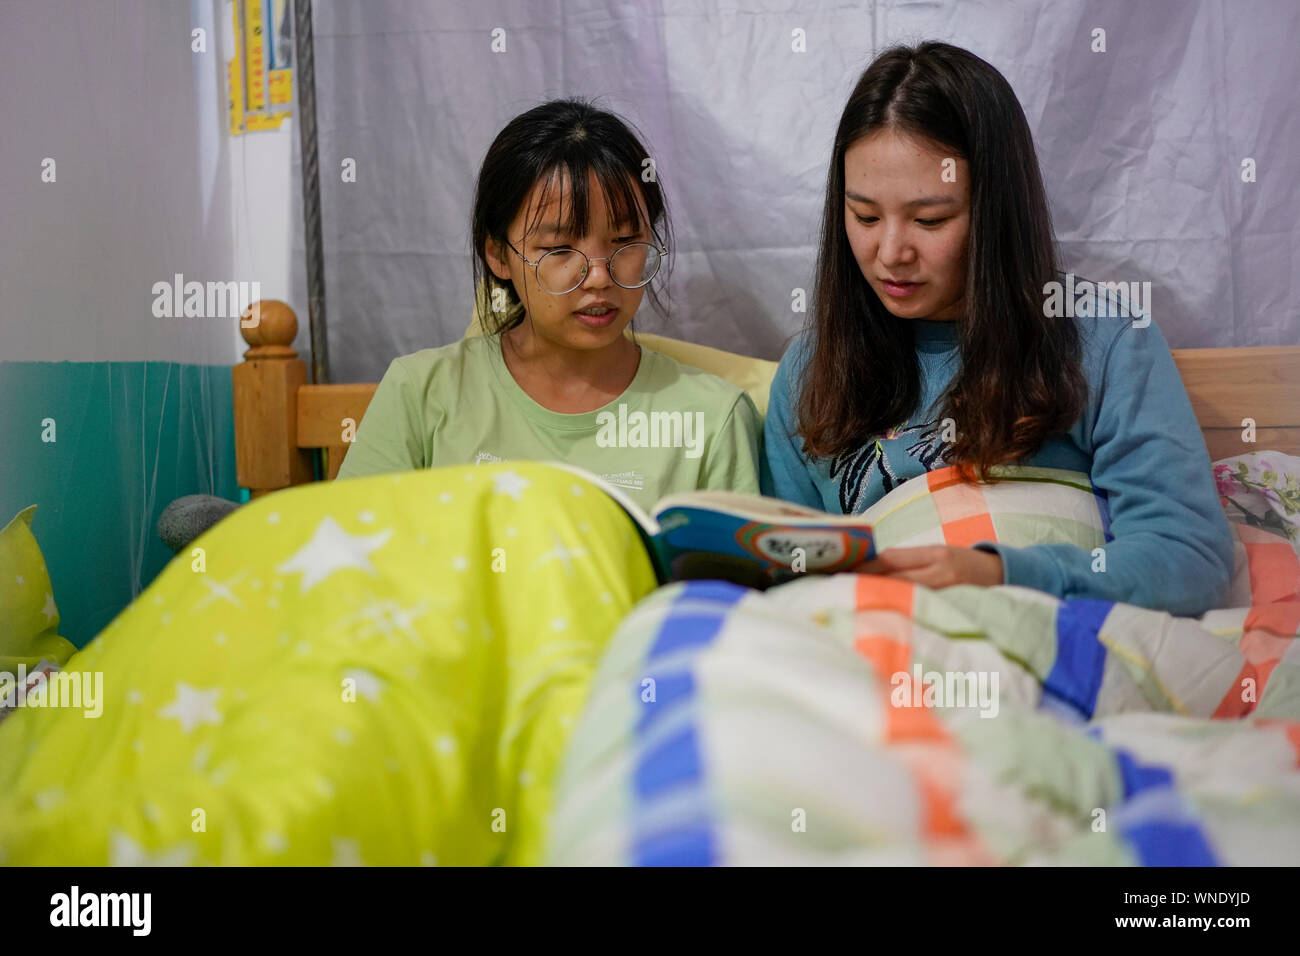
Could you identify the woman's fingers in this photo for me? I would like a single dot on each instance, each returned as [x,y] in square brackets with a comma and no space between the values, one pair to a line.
[894,560]
[936,567]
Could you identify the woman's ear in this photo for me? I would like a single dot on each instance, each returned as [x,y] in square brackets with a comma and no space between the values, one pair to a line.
[493,251]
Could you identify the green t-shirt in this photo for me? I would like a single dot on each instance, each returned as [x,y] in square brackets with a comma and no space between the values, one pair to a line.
[674,429]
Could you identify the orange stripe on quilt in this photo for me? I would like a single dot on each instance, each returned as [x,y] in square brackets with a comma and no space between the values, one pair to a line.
[1234,705]
[1262,649]
[1274,566]
[940,806]
[874,592]
[949,840]
[914,734]
[962,508]
[943,478]
[887,654]
[1281,618]
[888,601]
[965,532]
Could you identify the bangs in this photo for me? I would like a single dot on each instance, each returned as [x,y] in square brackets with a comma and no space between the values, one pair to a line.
[569,180]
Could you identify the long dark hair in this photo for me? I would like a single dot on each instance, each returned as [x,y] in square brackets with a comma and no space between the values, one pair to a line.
[562,137]
[1020,379]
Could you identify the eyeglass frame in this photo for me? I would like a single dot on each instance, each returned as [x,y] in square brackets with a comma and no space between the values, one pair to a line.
[605,259]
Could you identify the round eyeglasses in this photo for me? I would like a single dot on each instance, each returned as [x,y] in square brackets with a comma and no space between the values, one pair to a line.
[563,270]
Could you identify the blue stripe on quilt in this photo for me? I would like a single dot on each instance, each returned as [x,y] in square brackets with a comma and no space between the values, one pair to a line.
[671,689]
[1076,675]
[698,628]
[675,763]
[1155,820]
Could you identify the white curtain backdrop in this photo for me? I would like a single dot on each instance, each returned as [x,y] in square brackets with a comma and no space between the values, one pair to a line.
[1141,147]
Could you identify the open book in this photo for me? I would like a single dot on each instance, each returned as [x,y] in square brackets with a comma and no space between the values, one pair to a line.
[747,539]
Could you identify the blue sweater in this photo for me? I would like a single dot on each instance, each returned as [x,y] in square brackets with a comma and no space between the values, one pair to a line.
[1137,439]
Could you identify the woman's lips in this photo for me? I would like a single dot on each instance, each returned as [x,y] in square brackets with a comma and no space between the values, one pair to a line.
[901,290]
[597,321]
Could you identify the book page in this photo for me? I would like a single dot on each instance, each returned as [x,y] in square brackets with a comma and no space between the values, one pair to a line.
[753,507]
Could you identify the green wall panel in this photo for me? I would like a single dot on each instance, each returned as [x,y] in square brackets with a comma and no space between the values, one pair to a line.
[130,438]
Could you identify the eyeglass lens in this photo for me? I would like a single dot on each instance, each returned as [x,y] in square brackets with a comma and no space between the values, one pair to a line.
[631,266]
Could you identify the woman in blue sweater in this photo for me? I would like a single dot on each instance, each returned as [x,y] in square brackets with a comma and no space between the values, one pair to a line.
[931,342]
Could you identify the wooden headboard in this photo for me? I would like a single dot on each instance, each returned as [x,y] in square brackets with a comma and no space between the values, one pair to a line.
[280,420]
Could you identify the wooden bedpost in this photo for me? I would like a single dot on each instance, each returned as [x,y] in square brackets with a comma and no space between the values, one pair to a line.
[267,456]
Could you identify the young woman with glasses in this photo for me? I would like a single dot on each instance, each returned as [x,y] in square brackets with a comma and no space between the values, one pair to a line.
[568,235]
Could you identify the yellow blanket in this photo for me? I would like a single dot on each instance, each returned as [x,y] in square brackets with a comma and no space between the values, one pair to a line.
[376,671]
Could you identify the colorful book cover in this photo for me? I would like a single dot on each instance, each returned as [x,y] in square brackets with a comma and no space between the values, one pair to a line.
[696,542]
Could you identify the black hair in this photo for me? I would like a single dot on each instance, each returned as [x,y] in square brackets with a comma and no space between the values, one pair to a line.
[1021,376]
[560,144]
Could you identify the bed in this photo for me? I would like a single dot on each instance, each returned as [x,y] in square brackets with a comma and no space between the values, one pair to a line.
[281,421]
[474,665]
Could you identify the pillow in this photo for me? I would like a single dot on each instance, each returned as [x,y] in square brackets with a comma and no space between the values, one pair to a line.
[1262,490]
[752,375]
[1260,493]
[1032,505]
[29,621]
[189,516]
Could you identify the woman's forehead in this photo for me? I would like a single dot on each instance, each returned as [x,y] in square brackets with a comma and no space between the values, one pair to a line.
[551,207]
[890,166]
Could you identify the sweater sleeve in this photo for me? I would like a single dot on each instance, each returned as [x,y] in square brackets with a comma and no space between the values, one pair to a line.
[784,471]
[389,437]
[1171,547]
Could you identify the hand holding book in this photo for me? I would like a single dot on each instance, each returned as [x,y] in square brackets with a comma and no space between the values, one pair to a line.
[937,566]
[758,542]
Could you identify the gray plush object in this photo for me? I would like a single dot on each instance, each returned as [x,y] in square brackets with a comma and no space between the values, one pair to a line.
[188,517]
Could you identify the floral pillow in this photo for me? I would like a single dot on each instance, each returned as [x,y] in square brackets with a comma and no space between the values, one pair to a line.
[1260,493]
[1262,490]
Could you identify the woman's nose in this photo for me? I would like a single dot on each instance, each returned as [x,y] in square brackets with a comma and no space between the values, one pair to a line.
[592,279]
[894,246]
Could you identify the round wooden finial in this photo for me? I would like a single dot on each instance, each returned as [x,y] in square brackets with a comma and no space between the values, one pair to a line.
[270,327]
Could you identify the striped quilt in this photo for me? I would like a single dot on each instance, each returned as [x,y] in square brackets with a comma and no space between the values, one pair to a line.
[857,719]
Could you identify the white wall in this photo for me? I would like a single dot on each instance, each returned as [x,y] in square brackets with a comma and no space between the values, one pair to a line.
[113,94]
[149,183]
[263,210]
